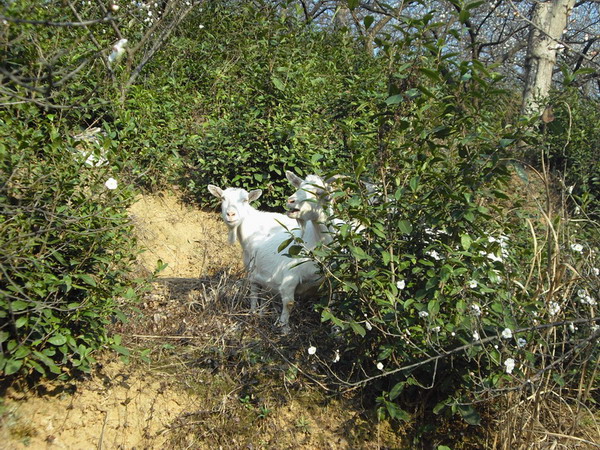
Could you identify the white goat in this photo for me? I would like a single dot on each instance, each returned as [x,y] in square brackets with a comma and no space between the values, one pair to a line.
[260,234]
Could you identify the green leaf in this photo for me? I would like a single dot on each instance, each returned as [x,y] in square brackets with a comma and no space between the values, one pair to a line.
[431,74]
[465,241]
[12,366]
[121,350]
[368,21]
[405,227]
[284,244]
[19,305]
[397,390]
[87,279]
[57,339]
[469,414]
[358,328]
[278,83]
[394,99]
[4,335]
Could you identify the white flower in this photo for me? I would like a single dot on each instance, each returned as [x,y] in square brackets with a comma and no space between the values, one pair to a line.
[595,271]
[581,293]
[117,51]
[572,327]
[553,308]
[521,342]
[111,184]
[114,7]
[494,257]
[380,365]
[507,333]
[336,356]
[312,350]
[509,365]
[577,248]
[570,188]
[201,26]
[473,284]
[453,334]
[476,336]
[401,284]
[368,325]
[436,329]
[434,254]
[491,239]
[590,301]
[423,314]
[476,309]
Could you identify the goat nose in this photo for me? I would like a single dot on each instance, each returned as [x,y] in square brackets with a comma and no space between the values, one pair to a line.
[291,200]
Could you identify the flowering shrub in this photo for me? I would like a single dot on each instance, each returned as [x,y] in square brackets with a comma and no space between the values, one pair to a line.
[452,293]
[66,248]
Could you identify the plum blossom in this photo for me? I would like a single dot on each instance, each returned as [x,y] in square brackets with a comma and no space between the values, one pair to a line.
[596,271]
[577,248]
[476,309]
[509,365]
[423,314]
[312,350]
[476,336]
[521,342]
[507,333]
[368,325]
[401,284]
[111,184]
[380,365]
[473,284]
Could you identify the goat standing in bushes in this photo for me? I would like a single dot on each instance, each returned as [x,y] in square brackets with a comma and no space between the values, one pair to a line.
[260,234]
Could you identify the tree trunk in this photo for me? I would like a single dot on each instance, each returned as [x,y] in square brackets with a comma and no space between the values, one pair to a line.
[548,24]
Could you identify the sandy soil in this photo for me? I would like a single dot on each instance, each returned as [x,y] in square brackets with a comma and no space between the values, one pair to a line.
[121,406]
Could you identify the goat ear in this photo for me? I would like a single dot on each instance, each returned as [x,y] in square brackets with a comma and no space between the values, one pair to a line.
[254,195]
[216,191]
[293,178]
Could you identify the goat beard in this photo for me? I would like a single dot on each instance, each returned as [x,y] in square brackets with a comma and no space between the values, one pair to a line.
[232,236]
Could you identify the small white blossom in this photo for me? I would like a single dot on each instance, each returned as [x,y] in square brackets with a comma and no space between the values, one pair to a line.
[476,309]
[201,26]
[491,239]
[452,333]
[434,254]
[401,284]
[368,325]
[473,284]
[590,301]
[336,356]
[509,365]
[117,51]
[553,308]
[423,314]
[114,7]
[577,248]
[521,342]
[494,257]
[476,336]
[581,293]
[111,184]
[380,365]
[572,327]
[596,271]
[312,350]
[507,333]
[570,189]
[436,329]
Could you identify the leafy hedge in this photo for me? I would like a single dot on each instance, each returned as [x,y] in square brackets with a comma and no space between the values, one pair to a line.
[66,241]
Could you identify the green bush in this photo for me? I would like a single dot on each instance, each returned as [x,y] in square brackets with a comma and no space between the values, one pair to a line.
[272,90]
[66,241]
[453,294]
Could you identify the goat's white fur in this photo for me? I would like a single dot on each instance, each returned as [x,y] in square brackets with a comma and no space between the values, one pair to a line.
[260,234]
